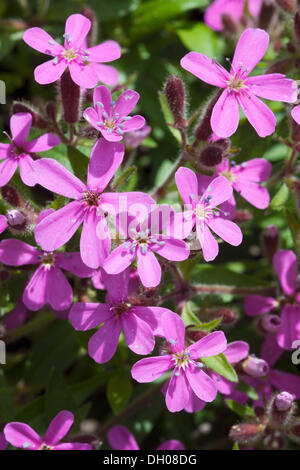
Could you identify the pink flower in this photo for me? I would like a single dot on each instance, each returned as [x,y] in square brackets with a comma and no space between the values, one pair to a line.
[120,438]
[295,113]
[3,442]
[111,118]
[85,64]
[187,378]
[90,202]
[285,265]
[239,89]
[245,179]
[139,323]
[201,210]
[143,240]
[24,437]
[18,152]
[134,138]
[213,15]
[48,284]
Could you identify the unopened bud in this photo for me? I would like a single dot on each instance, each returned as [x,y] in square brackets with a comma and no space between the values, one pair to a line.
[270,323]
[280,410]
[242,216]
[230,26]
[51,110]
[15,218]
[93,32]
[284,401]
[70,97]
[37,120]
[228,315]
[246,432]
[270,241]
[196,335]
[255,366]
[12,196]
[203,131]
[175,94]
[287,5]
[266,15]
[211,155]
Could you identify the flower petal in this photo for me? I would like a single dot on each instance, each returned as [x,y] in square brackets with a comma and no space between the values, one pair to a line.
[118,260]
[273,86]
[151,368]
[296,114]
[49,71]
[41,41]
[120,438]
[35,293]
[148,268]
[225,115]
[72,262]
[251,47]
[59,291]
[83,75]
[187,184]
[133,124]
[236,351]
[42,143]
[257,170]
[15,252]
[86,316]
[138,334]
[172,249]
[205,68]
[7,170]
[258,114]
[285,265]
[105,160]
[289,330]
[59,427]
[21,435]
[219,190]
[93,250]
[257,304]
[105,52]
[203,386]
[257,195]
[174,331]
[3,225]
[209,244]
[171,445]
[211,345]
[227,230]
[106,74]
[77,27]
[20,124]
[27,173]
[126,102]
[103,344]
[177,394]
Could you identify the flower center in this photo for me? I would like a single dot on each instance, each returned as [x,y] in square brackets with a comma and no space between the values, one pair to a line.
[47,259]
[121,308]
[235,83]
[91,198]
[142,239]
[229,175]
[182,359]
[70,54]
[45,447]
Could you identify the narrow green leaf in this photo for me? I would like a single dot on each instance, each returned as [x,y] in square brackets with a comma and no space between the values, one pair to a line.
[79,162]
[245,412]
[208,326]
[280,198]
[222,366]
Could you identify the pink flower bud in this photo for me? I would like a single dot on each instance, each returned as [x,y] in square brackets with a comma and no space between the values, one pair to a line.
[246,432]
[228,315]
[211,155]
[255,367]
[270,323]
[283,401]
[15,218]
[175,94]
[12,196]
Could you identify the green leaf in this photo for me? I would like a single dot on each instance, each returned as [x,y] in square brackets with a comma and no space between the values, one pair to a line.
[168,115]
[79,162]
[280,198]
[124,177]
[294,227]
[245,412]
[250,391]
[57,397]
[222,366]
[188,316]
[208,326]
[119,391]
[199,38]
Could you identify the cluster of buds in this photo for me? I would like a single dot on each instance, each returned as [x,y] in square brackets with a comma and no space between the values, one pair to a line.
[271,426]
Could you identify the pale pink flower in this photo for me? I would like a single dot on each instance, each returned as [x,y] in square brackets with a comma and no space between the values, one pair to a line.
[187,378]
[234,9]
[120,438]
[48,284]
[285,265]
[139,323]
[85,64]
[24,437]
[142,241]
[18,152]
[90,202]
[111,118]
[201,209]
[239,89]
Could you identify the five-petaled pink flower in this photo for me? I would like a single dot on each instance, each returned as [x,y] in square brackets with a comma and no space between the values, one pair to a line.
[139,323]
[234,9]
[143,240]
[285,265]
[18,152]
[90,205]
[120,438]
[239,89]
[85,64]
[24,437]
[201,210]
[111,118]
[48,284]
[187,377]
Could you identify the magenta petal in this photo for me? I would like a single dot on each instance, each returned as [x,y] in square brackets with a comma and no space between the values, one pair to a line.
[102,95]
[171,445]
[285,381]
[258,114]
[73,263]
[91,116]
[152,316]
[59,427]
[54,176]
[3,226]
[133,124]
[227,230]
[117,286]
[211,345]
[214,13]
[148,268]
[35,293]
[151,368]
[257,195]
[105,160]
[103,344]
[285,265]
[204,68]
[289,330]
[57,228]
[219,190]
[270,351]
[296,114]
[177,394]
[257,170]
[42,143]
[106,74]
[120,438]
[126,102]
[7,169]
[86,316]
[138,334]
[203,386]
[236,351]
[225,115]
[59,291]
[14,252]
[194,403]
[187,184]
[135,203]
[41,41]
[209,244]
[172,249]
[27,173]
[20,124]
[21,435]
[174,331]
[49,71]
[77,28]
[93,249]
[105,52]
[118,260]
[5,150]
[273,86]
[257,304]
[83,75]
[251,47]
